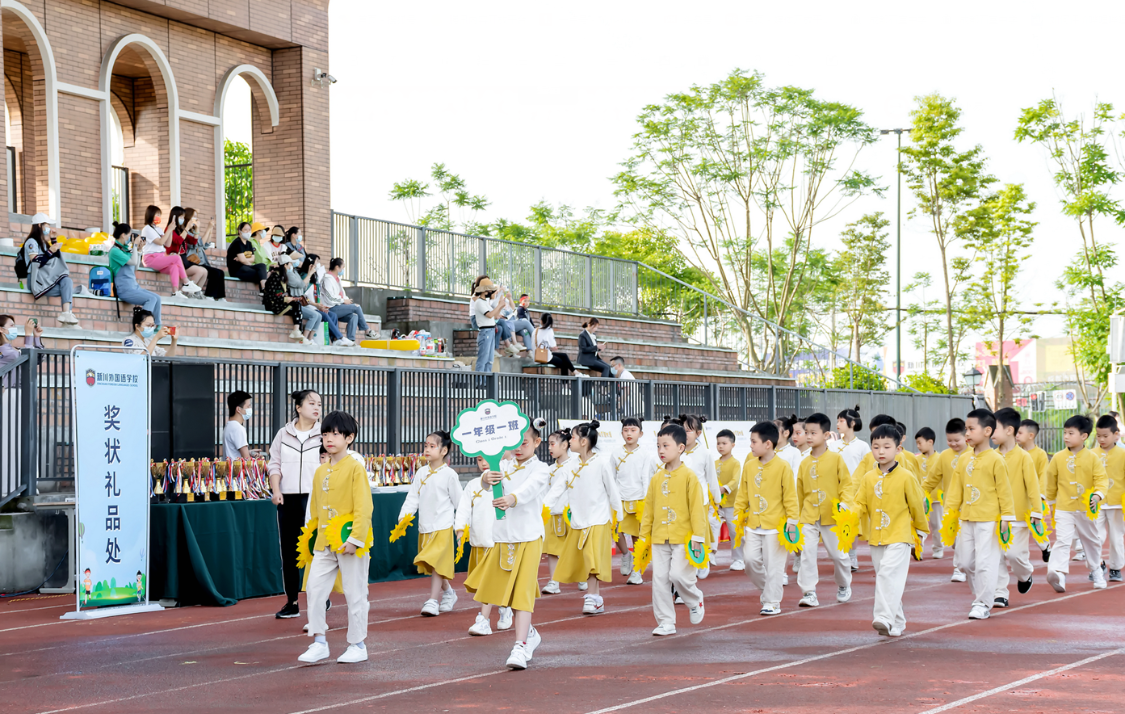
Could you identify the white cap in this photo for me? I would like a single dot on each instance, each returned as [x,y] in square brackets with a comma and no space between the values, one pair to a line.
[41,218]
[283,259]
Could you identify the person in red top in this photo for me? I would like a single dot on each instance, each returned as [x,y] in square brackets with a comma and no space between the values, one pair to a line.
[189,247]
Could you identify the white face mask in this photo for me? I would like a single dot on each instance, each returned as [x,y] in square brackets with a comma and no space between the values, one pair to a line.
[11,333]
[180,220]
[245,235]
[299,238]
[275,239]
[247,413]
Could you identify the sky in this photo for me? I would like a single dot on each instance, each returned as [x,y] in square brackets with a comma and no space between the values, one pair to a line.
[538,101]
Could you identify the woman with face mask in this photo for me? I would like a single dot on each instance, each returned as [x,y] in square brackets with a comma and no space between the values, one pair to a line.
[11,396]
[294,244]
[47,271]
[176,234]
[154,255]
[193,254]
[298,285]
[241,258]
[123,260]
[145,335]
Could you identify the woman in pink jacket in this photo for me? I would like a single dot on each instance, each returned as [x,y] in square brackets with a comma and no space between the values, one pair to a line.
[294,459]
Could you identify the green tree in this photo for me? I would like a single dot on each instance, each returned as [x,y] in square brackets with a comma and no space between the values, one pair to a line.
[238,184]
[736,170]
[1077,150]
[924,319]
[1000,236]
[453,197]
[852,377]
[925,383]
[861,267]
[945,183]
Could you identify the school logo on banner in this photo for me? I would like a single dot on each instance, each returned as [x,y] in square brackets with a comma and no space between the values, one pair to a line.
[91,377]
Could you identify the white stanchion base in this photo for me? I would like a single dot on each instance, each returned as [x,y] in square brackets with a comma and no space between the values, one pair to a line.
[98,612]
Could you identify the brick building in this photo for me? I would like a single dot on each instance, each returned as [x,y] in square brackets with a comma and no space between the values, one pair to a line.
[157,72]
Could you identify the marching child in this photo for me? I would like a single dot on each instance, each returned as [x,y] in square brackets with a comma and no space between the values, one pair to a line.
[1076,483]
[1113,459]
[434,495]
[850,446]
[508,577]
[1027,502]
[633,468]
[1025,437]
[867,463]
[674,520]
[729,470]
[558,445]
[799,439]
[981,493]
[891,498]
[766,501]
[924,439]
[589,485]
[936,483]
[476,515]
[786,450]
[822,480]
[340,487]
[697,457]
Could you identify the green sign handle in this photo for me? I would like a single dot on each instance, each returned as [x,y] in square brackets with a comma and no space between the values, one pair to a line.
[497,488]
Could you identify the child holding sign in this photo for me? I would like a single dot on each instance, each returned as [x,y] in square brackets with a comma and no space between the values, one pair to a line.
[508,577]
[434,494]
[633,468]
[474,519]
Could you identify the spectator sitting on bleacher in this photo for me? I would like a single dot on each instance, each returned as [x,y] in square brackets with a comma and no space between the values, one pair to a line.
[314,270]
[193,253]
[508,327]
[294,244]
[545,337]
[277,298]
[242,259]
[145,335]
[522,324]
[589,349]
[123,259]
[175,234]
[155,256]
[47,272]
[298,285]
[340,305]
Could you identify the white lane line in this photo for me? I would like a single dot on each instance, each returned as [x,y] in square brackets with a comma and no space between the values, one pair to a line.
[16,611]
[828,655]
[1025,680]
[419,688]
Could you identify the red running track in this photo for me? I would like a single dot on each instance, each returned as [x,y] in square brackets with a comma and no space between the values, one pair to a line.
[1047,653]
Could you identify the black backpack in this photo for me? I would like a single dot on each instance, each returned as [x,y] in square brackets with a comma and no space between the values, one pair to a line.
[21,264]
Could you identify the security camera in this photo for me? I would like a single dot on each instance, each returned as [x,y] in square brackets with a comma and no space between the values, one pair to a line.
[322,77]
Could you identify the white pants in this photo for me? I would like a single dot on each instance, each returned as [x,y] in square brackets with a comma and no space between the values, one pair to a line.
[1069,526]
[1115,534]
[670,568]
[353,576]
[716,524]
[735,552]
[765,564]
[807,576]
[1016,560]
[937,511]
[892,564]
[980,559]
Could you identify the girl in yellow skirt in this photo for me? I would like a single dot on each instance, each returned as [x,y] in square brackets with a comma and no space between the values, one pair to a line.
[590,486]
[701,461]
[476,515]
[633,468]
[434,495]
[509,573]
[558,444]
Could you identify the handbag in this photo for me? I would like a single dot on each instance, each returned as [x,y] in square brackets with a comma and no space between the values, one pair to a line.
[542,354]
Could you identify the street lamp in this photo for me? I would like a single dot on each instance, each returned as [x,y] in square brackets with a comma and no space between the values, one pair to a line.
[898,255]
[972,379]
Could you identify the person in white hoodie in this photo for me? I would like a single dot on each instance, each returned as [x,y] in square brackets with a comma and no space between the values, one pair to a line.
[474,519]
[633,468]
[434,495]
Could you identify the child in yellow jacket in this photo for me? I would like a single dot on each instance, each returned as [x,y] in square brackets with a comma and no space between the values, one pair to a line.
[1027,503]
[340,488]
[981,494]
[1110,520]
[729,469]
[936,484]
[890,496]
[674,524]
[1076,483]
[766,503]
[1025,437]
[823,480]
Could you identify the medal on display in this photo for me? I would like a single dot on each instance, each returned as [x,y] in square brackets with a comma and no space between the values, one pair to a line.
[488,430]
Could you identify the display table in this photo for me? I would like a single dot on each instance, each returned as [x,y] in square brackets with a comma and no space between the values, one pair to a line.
[220,552]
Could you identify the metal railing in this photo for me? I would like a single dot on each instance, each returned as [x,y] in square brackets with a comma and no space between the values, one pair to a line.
[13,189]
[119,193]
[397,408]
[239,188]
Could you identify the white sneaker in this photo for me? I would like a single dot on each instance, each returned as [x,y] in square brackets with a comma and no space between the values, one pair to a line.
[582,586]
[481,628]
[296,334]
[979,612]
[505,622]
[448,600]
[316,652]
[771,609]
[1056,580]
[343,342]
[938,553]
[1079,557]
[305,628]
[82,290]
[306,342]
[809,600]
[626,562]
[518,658]
[67,318]
[430,608]
[190,288]
[664,630]
[702,575]
[785,579]
[533,640]
[957,577]
[678,601]
[551,588]
[882,628]
[353,654]
[635,579]
[738,566]
[843,594]
[1099,580]
[593,605]
[695,614]
[222,301]
[796,562]
[178,294]
[855,562]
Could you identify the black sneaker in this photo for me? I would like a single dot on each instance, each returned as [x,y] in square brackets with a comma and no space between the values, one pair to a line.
[1047,554]
[288,612]
[1024,585]
[1115,576]
[1000,602]
[327,605]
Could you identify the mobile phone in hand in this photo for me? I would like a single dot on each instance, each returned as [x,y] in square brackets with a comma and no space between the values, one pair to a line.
[172,330]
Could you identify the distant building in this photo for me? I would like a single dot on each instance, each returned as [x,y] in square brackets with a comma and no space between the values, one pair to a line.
[1032,361]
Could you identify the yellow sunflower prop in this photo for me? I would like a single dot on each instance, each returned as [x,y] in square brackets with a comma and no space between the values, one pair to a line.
[739,528]
[917,551]
[789,542]
[846,528]
[642,555]
[339,529]
[306,542]
[461,545]
[699,561]
[566,516]
[939,495]
[1004,540]
[1039,530]
[546,515]
[950,524]
[400,530]
[926,504]
[1091,508]
[639,511]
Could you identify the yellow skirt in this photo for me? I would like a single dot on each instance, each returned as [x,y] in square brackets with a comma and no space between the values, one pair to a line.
[630,524]
[476,558]
[435,553]
[508,575]
[557,530]
[586,552]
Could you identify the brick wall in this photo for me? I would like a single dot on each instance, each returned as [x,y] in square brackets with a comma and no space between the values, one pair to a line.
[80,168]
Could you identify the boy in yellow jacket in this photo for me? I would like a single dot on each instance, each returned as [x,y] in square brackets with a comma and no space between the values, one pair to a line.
[340,487]
[1110,520]
[936,484]
[1025,437]
[674,520]
[890,496]
[1027,503]
[982,494]
[1076,482]
[766,502]
[729,469]
[822,480]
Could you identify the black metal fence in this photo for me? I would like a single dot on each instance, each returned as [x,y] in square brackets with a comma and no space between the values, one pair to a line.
[397,408]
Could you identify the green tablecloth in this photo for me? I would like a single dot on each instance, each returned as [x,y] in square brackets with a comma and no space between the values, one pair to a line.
[219,552]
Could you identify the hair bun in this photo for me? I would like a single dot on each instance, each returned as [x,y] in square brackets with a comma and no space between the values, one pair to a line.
[539,423]
[594,424]
[856,410]
[702,419]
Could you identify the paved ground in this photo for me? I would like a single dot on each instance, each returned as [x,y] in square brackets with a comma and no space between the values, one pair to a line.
[1047,653]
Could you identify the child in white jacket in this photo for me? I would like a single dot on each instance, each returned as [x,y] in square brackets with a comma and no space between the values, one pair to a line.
[474,519]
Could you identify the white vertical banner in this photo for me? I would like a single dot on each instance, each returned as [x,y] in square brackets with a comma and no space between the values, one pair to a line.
[111,399]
